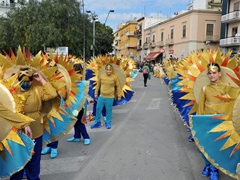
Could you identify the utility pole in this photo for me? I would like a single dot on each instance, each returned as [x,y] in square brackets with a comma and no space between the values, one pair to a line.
[94,18]
[84,38]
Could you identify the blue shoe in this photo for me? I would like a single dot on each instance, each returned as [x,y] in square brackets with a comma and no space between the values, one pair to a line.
[87,141]
[191,139]
[206,170]
[73,139]
[54,153]
[105,118]
[46,150]
[24,174]
[96,125]
[108,125]
[213,173]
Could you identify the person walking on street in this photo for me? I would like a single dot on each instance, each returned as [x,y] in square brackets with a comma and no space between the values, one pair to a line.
[146,72]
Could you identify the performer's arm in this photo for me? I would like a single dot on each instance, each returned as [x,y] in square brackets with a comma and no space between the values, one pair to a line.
[97,88]
[48,91]
[119,90]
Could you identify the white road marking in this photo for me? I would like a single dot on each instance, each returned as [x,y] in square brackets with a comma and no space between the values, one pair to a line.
[119,111]
[154,104]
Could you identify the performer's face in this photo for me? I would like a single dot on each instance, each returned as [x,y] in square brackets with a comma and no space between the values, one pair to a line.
[109,71]
[214,76]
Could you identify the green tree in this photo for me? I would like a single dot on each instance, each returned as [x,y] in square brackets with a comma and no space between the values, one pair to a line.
[104,39]
[46,23]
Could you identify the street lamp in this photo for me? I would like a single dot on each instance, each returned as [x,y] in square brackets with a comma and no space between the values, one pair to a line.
[108,15]
[94,18]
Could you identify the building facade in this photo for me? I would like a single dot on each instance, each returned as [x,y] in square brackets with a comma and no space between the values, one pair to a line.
[157,39]
[230,30]
[125,42]
[180,35]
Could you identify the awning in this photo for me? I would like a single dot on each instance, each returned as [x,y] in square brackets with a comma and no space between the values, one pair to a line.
[152,56]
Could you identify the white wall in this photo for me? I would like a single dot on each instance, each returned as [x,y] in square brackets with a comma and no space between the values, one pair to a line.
[199,4]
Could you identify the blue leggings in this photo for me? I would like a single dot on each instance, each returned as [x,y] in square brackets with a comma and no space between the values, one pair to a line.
[94,109]
[32,168]
[53,145]
[108,103]
[79,127]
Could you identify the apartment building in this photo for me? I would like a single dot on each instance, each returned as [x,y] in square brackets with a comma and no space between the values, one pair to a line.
[195,28]
[178,36]
[125,41]
[205,4]
[230,30]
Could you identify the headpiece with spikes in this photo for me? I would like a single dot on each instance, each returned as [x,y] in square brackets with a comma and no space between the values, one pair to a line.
[212,67]
[109,67]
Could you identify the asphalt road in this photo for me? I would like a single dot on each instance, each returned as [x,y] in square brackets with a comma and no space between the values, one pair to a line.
[148,141]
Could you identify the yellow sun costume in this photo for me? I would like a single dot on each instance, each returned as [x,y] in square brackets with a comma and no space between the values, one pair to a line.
[15,147]
[216,136]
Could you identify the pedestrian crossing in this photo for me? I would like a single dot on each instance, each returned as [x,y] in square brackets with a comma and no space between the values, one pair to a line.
[154,104]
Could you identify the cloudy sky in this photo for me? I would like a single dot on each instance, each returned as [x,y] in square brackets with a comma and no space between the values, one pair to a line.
[125,10]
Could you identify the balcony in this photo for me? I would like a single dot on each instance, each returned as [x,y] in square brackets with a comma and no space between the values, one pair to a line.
[129,34]
[139,48]
[146,45]
[169,42]
[232,41]
[130,46]
[160,43]
[138,33]
[215,3]
[211,38]
[118,39]
[231,17]
[152,44]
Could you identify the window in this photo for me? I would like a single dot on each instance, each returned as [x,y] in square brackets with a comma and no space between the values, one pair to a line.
[172,32]
[153,37]
[234,31]
[184,31]
[148,38]
[209,30]
[236,6]
[162,35]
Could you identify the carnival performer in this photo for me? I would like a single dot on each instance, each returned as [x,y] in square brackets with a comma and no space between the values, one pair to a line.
[37,93]
[107,84]
[161,73]
[146,72]
[79,126]
[156,70]
[207,97]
